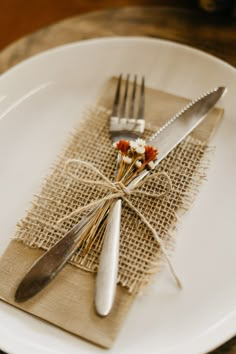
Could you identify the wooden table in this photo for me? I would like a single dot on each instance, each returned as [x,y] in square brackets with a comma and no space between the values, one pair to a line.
[215,35]
[19,18]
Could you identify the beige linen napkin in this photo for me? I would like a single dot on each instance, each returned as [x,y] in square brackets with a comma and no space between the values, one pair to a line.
[68,302]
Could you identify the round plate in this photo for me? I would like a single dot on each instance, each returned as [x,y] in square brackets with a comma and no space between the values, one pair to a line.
[41,100]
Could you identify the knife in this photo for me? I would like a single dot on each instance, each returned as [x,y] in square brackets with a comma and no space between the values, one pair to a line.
[165,140]
[45,269]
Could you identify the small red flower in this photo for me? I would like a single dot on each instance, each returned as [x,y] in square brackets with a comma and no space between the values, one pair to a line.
[123,146]
[150,153]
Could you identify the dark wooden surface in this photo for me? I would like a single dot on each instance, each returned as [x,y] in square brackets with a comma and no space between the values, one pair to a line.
[21,17]
[213,34]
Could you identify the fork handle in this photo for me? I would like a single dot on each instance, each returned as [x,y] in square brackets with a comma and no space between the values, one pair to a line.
[108,264]
[107,273]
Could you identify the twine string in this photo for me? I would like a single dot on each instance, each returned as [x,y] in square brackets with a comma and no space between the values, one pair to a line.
[119,190]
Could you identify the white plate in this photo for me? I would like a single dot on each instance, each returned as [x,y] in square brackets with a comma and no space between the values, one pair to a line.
[40,101]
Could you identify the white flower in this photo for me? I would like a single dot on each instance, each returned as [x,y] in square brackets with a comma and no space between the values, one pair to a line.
[140,142]
[115,144]
[133,145]
[138,164]
[127,160]
[151,165]
[140,149]
[138,145]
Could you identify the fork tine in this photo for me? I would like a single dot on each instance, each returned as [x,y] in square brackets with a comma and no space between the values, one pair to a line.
[123,107]
[117,98]
[140,114]
[127,118]
[131,110]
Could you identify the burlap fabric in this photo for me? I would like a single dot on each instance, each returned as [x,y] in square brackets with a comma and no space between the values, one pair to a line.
[140,255]
[61,194]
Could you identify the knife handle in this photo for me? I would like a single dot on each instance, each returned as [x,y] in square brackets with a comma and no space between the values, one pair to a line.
[108,263]
[45,269]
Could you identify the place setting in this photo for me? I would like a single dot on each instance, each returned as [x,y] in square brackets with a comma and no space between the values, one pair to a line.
[118,198]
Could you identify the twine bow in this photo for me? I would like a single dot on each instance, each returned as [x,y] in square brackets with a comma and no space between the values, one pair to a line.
[119,190]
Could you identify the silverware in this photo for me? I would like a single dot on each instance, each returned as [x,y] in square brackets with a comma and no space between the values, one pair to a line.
[45,269]
[165,140]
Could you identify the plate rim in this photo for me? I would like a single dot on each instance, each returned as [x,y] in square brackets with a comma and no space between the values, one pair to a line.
[107,39]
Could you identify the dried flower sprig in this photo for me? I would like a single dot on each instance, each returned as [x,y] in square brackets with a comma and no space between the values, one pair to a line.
[135,156]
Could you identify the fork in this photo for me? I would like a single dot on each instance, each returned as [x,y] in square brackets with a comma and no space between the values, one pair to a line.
[129,126]
[45,269]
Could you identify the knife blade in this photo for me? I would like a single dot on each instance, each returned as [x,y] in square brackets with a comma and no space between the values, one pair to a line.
[184,122]
[45,269]
[178,127]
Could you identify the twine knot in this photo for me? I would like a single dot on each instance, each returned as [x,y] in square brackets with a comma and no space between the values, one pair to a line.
[120,187]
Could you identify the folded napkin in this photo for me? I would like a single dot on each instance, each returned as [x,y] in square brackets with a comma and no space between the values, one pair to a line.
[68,301]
